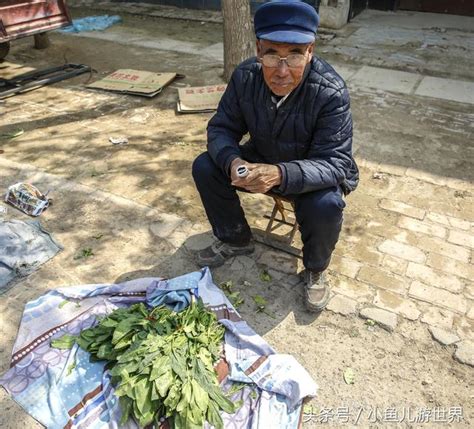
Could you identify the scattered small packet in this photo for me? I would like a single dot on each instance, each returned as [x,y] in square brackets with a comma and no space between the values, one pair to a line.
[27,198]
[118,140]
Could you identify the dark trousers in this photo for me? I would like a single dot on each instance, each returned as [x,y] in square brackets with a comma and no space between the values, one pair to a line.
[319,213]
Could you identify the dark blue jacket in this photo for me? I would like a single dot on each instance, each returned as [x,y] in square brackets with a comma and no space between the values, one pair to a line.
[309,136]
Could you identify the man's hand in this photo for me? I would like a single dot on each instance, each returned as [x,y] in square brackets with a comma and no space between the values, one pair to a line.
[261,177]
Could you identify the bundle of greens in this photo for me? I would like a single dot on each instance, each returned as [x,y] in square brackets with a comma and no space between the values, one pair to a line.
[161,362]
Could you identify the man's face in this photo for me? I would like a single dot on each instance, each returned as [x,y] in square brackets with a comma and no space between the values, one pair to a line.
[283,79]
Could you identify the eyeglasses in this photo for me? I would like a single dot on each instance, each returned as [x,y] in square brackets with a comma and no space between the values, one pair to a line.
[292,60]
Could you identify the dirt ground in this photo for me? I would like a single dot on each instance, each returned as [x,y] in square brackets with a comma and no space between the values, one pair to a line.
[141,201]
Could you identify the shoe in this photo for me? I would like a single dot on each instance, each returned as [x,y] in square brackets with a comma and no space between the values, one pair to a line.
[316,291]
[216,254]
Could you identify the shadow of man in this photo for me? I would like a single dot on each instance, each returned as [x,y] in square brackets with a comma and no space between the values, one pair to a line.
[262,293]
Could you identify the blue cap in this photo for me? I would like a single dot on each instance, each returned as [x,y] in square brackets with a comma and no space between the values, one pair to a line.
[286,21]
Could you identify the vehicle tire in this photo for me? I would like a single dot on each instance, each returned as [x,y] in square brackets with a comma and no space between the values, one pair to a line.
[4,49]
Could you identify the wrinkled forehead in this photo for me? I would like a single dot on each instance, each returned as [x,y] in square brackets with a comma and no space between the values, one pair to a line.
[269,47]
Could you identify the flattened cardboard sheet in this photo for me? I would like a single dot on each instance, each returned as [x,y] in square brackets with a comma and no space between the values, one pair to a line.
[135,82]
[199,99]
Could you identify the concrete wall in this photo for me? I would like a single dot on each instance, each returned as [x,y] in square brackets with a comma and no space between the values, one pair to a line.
[334,13]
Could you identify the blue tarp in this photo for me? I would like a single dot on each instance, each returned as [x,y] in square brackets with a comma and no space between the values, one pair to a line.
[92,23]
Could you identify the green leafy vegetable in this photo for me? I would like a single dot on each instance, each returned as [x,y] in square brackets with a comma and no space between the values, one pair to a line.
[65,342]
[63,303]
[260,301]
[227,286]
[15,133]
[236,299]
[70,368]
[349,376]
[161,363]
[85,253]
[370,322]
[265,276]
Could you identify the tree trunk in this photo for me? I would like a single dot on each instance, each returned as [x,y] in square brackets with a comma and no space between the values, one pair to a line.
[239,38]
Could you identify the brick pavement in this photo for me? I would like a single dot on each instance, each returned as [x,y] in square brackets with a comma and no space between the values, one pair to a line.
[425,258]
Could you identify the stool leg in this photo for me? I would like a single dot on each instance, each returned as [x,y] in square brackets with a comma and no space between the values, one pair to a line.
[268,230]
[280,207]
[295,226]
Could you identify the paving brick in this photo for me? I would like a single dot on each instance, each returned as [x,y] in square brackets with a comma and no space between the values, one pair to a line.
[345,266]
[462,238]
[279,261]
[433,277]
[464,327]
[353,289]
[405,209]
[437,218]
[444,337]
[245,264]
[396,304]
[423,227]
[403,236]
[394,170]
[382,279]
[460,223]
[376,77]
[394,264]
[447,89]
[469,290]
[451,266]
[470,313]
[438,317]
[448,221]
[361,252]
[178,237]
[293,280]
[384,228]
[199,241]
[437,245]
[385,319]
[465,352]
[275,275]
[403,251]
[439,297]
[436,179]
[342,305]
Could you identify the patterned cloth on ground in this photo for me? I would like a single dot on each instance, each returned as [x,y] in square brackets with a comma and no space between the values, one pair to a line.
[62,389]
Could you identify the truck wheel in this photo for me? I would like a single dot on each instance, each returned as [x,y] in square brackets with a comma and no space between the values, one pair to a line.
[4,49]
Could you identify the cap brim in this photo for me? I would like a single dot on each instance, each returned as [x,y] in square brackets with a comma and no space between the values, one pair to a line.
[283,36]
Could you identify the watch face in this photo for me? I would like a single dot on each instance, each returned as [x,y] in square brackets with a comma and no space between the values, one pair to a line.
[242,171]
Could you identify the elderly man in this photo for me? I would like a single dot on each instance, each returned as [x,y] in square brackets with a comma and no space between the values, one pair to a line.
[296,110]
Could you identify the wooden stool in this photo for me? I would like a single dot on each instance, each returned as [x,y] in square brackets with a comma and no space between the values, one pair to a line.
[269,236]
